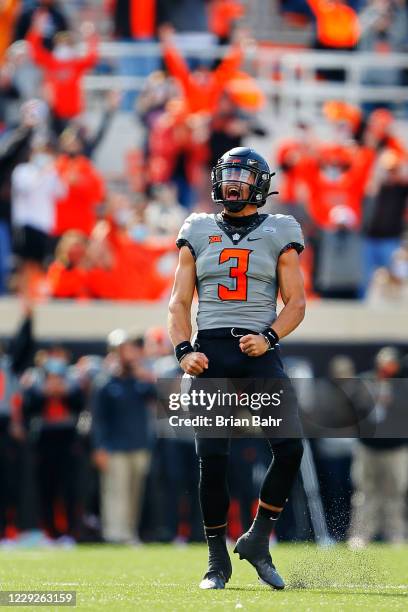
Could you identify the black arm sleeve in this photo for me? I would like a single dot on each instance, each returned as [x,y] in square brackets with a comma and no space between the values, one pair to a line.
[94,141]
[22,346]
[11,150]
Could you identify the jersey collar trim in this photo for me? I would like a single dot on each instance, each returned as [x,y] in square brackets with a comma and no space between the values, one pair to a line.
[230,229]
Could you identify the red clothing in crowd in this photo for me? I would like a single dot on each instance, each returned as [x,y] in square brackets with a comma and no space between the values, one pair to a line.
[345,190]
[143,18]
[133,18]
[380,131]
[63,77]
[85,189]
[202,97]
[169,138]
[55,410]
[288,156]
[67,283]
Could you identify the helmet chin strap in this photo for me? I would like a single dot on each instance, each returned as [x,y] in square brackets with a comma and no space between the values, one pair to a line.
[272,192]
[234,207]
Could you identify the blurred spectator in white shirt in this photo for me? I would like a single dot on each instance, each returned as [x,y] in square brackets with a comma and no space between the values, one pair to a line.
[36,187]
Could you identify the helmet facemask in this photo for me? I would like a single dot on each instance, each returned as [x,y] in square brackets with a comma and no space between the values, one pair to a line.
[235,186]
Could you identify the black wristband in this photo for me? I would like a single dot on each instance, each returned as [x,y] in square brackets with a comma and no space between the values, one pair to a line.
[183,349]
[271,336]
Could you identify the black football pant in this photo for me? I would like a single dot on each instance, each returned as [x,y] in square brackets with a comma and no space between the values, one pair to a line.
[227,361]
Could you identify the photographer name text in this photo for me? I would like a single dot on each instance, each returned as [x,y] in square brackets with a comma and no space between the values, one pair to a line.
[222,421]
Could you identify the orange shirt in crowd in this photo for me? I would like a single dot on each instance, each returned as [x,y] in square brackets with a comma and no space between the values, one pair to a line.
[288,155]
[222,14]
[136,267]
[67,283]
[338,25]
[202,97]
[396,145]
[85,190]
[63,77]
[347,189]
[245,92]
[134,274]
[8,14]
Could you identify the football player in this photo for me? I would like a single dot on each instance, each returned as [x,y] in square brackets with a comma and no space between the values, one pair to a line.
[239,260]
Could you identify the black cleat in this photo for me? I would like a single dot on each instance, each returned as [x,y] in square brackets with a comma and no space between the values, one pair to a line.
[219,564]
[255,549]
[213,580]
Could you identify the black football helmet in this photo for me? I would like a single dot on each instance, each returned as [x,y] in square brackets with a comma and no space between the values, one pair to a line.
[238,166]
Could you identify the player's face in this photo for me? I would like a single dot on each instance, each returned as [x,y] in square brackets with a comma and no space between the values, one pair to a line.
[236,183]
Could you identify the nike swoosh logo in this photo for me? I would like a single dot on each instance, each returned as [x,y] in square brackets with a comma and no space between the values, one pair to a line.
[253,239]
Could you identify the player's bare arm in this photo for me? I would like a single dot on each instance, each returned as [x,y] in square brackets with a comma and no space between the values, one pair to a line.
[293,295]
[179,317]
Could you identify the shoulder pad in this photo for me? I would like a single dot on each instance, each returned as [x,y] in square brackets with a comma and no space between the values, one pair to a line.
[197,217]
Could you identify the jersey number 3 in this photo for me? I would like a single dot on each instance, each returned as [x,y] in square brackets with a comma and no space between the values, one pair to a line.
[238,272]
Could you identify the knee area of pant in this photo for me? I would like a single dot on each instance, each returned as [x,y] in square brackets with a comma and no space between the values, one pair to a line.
[213,466]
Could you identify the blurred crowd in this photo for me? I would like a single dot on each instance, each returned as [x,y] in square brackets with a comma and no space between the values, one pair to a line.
[85,456]
[350,195]
[69,231]
[379,26]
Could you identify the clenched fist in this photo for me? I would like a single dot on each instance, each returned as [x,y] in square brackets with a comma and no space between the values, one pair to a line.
[194,363]
[253,345]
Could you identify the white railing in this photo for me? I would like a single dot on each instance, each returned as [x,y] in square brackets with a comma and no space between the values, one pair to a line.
[296,91]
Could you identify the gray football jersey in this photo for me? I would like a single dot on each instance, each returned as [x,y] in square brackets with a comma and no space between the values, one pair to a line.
[236,267]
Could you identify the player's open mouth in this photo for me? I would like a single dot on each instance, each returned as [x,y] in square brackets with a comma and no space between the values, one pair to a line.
[233,193]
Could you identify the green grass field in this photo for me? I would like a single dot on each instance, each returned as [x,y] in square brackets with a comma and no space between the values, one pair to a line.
[156,577]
